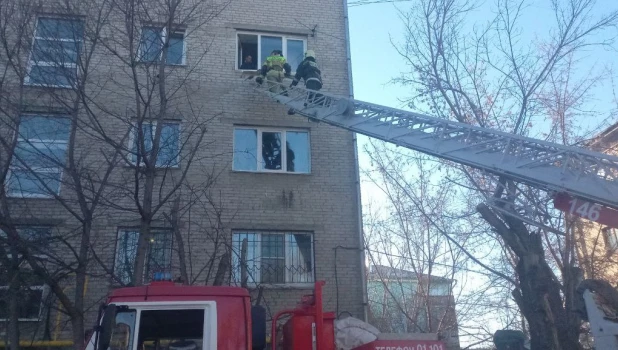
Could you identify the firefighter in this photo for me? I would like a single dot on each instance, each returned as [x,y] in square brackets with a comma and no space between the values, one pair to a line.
[275,69]
[309,71]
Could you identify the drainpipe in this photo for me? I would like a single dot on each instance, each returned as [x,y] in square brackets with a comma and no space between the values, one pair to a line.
[361,239]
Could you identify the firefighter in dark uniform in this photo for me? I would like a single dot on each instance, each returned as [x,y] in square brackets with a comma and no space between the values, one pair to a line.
[275,69]
[309,71]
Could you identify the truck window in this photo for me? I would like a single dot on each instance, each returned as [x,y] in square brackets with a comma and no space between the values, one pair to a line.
[122,334]
[171,330]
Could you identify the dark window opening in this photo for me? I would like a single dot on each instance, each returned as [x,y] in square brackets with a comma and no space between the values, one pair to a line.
[28,303]
[247,51]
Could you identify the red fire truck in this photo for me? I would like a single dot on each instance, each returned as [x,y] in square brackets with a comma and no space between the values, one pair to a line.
[166,316]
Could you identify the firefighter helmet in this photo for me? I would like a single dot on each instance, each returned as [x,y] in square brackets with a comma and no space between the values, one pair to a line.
[310,53]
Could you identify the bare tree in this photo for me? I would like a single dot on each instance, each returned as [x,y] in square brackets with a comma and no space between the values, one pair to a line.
[147,43]
[28,149]
[491,75]
[422,231]
[62,64]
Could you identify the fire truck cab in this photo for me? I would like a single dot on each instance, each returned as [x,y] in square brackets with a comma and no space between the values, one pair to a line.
[163,315]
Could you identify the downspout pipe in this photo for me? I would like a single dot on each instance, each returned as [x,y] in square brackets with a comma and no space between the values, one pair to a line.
[359,203]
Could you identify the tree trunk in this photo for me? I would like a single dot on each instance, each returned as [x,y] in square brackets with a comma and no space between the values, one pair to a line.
[77,318]
[182,259]
[243,264]
[77,323]
[142,253]
[551,325]
[224,265]
[13,304]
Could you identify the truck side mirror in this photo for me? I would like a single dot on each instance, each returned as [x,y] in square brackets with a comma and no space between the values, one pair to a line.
[107,326]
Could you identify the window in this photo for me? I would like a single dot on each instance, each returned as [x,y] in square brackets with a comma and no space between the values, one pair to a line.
[611,239]
[257,149]
[151,46]
[124,329]
[273,257]
[259,46]
[30,303]
[439,288]
[159,254]
[53,60]
[31,296]
[180,328]
[36,168]
[37,237]
[169,143]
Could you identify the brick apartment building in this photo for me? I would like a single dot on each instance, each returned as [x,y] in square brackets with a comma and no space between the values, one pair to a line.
[402,301]
[88,91]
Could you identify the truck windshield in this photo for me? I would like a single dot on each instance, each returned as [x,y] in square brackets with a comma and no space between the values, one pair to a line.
[122,334]
[171,329]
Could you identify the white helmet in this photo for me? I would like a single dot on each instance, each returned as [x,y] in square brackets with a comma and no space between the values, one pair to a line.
[310,53]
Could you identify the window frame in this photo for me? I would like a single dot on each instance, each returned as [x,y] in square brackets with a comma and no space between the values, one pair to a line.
[257,276]
[43,289]
[210,318]
[162,31]
[59,169]
[125,230]
[32,63]
[133,136]
[284,156]
[259,34]
[25,227]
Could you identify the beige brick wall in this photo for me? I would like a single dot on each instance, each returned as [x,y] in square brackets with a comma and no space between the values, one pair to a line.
[323,202]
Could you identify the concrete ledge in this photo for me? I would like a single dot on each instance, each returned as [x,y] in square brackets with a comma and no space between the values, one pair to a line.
[269,29]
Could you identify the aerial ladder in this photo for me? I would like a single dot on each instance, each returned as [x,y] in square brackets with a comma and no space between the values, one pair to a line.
[579,181]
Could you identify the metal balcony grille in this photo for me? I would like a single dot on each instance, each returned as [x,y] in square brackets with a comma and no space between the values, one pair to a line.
[272,257]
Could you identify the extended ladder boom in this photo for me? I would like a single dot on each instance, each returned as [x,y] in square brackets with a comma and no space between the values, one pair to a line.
[548,166]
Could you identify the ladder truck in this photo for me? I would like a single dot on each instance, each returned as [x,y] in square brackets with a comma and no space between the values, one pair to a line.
[581,182]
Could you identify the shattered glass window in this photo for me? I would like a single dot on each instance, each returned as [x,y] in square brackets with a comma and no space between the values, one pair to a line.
[271,150]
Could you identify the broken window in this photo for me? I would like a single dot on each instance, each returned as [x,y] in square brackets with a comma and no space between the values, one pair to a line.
[254,48]
[269,150]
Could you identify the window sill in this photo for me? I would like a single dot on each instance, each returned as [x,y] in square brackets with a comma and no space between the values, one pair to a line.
[22,320]
[16,196]
[268,172]
[290,286]
[133,166]
[182,65]
[48,86]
